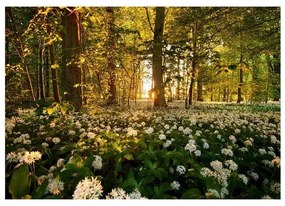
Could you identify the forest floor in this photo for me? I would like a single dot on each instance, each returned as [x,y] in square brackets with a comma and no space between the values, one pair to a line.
[207,151]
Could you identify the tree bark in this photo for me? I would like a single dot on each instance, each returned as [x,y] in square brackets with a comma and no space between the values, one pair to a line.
[239,98]
[55,88]
[111,57]
[199,87]
[71,52]
[157,73]
[194,64]
[41,73]
[46,65]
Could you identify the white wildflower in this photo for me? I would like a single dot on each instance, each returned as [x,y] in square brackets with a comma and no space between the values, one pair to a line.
[273,139]
[181,128]
[197,153]
[237,131]
[149,130]
[41,179]
[243,178]
[91,135]
[117,193]
[166,126]
[216,165]
[51,169]
[30,157]
[131,132]
[232,138]
[205,172]
[175,185]
[187,131]
[206,145]
[12,157]
[97,163]
[231,165]
[60,162]
[55,186]
[78,125]
[162,137]
[181,169]
[224,192]
[55,140]
[88,189]
[276,161]
[45,145]
[276,187]
[254,175]
[262,151]
[227,152]
[167,144]
[190,147]
[248,142]
[243,149]
[136,195]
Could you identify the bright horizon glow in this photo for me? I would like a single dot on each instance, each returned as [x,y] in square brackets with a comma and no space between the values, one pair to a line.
[146,87]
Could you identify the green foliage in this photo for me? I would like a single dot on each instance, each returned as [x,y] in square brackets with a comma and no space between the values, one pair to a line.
[20,182]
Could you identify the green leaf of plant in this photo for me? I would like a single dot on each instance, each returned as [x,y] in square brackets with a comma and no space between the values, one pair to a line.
[40,191]
[20,183]
[193,193]
[129,156]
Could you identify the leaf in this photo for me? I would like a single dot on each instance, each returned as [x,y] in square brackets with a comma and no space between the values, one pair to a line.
[20,182]
[129,156]
[54,66]
[88,162]
[66,174]
[40,191]
[193,193]
[67,149]
[142,145]
[50,111]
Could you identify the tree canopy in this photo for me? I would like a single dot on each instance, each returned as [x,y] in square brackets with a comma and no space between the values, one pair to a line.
[94,56]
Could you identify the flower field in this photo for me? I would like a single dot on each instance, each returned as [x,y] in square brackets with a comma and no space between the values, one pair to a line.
[208,151]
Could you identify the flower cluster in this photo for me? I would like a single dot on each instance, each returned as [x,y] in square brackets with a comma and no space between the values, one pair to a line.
[88,189]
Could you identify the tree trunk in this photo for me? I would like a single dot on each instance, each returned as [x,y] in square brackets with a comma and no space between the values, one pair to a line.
[178,80]
[46,65]
[41,73]
[157,73]
[20,49]
[194,64]
[71,52]
[239,98]
[199,87]
[54,74]
[111,56]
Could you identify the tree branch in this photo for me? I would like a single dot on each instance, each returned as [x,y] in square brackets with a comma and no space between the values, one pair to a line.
[148,19]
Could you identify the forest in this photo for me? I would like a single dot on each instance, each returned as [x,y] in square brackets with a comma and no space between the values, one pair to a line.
[142,102]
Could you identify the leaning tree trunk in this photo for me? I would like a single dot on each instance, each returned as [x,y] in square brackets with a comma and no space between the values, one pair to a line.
[157,73]
[71,52]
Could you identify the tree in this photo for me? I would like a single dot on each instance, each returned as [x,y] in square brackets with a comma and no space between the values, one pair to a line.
[157,72]
[71,78]
[20,49]
[111,56]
